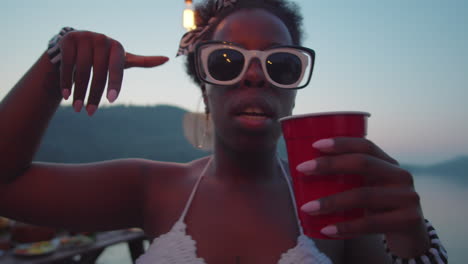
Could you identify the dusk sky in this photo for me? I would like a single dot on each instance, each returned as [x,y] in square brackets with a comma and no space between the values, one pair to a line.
[405,62]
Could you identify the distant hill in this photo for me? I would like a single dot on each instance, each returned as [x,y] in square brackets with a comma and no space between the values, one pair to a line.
[455,169]
[154,132]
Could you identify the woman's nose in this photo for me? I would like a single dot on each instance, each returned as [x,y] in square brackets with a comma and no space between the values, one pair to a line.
[254,76]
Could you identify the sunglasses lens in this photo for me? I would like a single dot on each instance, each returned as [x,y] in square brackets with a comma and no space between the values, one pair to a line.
[225,64]
[284,68]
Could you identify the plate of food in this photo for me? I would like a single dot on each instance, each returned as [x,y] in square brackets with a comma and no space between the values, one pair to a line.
[4,223]
[76,241]
[37,248]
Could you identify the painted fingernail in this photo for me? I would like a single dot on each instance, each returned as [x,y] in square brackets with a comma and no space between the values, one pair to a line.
[66,93]
[307,166]
[91,109]
[330,230]
[311,207]
[77,105]
[323,143]
[112,95]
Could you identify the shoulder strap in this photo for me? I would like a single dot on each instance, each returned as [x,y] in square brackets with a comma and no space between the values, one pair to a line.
[291,192]
[194,190]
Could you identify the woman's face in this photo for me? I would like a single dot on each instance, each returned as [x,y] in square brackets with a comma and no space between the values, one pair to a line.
[245,115]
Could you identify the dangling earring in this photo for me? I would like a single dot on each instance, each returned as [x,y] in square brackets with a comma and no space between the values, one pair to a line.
[202,143]
[206,142]
[198,129]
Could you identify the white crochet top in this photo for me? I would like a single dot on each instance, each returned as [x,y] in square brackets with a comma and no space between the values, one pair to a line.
[177,247]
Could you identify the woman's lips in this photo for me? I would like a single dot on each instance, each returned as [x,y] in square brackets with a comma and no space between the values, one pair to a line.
[253,112]
[253,122]
[253,117]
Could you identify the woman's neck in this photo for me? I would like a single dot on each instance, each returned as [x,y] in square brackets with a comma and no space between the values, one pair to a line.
[245,167]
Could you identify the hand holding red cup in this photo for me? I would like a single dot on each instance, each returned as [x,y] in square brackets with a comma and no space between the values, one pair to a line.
[301,132]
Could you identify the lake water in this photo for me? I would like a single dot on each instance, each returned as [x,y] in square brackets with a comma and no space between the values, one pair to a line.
[444,203]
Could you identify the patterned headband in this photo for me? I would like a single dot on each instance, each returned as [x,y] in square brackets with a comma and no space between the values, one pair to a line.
[191,38]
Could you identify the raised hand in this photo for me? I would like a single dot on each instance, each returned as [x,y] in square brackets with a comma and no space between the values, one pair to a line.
[83,51]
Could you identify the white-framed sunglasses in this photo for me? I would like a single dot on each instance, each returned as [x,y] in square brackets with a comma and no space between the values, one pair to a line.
[225,63]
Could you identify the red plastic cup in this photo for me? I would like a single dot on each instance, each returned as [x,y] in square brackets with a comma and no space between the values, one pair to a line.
[300,132]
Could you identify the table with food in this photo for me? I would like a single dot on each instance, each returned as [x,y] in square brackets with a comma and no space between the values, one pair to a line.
[24,243]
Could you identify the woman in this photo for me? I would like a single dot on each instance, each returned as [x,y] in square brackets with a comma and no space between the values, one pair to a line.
[235,206]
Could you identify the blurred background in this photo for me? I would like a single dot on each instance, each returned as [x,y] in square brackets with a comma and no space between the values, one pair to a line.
[405,62]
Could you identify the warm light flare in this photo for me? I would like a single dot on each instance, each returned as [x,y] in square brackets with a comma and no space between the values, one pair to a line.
[189,16]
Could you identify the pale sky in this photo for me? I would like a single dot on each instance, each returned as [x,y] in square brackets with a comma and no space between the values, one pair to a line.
[405,62]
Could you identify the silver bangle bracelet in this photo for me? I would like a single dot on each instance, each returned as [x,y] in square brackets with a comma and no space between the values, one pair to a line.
[53,49]
[436,254]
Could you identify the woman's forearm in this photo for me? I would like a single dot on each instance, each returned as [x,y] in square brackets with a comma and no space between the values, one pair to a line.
[24,115]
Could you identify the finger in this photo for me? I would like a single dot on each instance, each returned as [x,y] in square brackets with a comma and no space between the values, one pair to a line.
[374,199]
[116,70]
[133,60]
[398,221]
[82,73]
[374,170]
[100,67]
[341,145]
[67,64]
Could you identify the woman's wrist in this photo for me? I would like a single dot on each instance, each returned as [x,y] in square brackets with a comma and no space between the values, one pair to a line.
[412,242]
[53,49]
[429,249]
